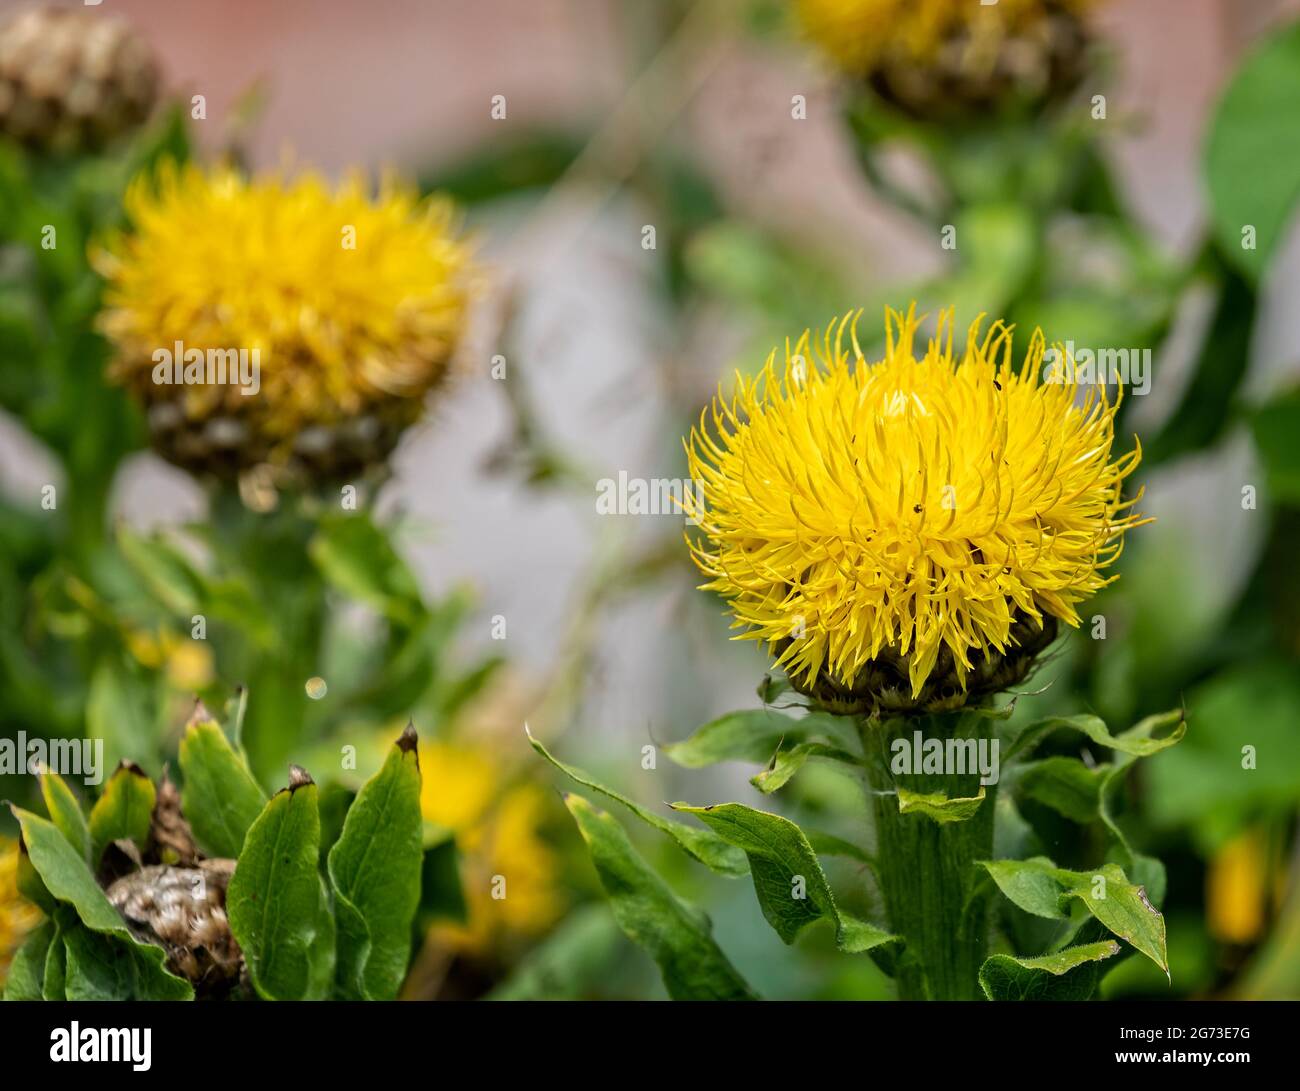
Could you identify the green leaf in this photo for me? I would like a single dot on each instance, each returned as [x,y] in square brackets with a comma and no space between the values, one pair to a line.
[709,849]
[1276,428]
[274,898]
[356,556]
[123,811]
[676,935]
[103,967]
[1252,159]
[1138,741]
[1071,974]
[115,713]
[65,811]
[29,884]
[220,797]
[1029,884]
[54,980]
[571,963]
[792,889]
[1122,907]
[374,870]
[1066,785]
[165,571]
[27,970]
[1208,403]
[754,735]
[68,879]
[1038,886]
[938,807]
[441,896]
[829,844]
[66,874]
[785,763]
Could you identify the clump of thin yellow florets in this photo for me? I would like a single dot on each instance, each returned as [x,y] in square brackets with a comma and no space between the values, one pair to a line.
[909,511]
[353,304]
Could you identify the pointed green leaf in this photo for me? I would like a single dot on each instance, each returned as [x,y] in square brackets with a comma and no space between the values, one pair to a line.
[938,807]
[788,761]
[101,967]
[1122,907]
[220,797]
[123,811]
[1071,974]
[374,869]
[753,735]
[27,970]
[65,811]
[1039,887]
[54,980]
[1067,785]
[1029,884]
[791,887]
[709,849]
[676,935]
[1139,741]
[66,874]
[69,881]
[274,898]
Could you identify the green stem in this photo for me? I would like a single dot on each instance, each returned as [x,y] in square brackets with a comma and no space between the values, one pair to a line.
[932,886]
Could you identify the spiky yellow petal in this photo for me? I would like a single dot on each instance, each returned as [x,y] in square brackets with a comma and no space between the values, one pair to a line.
[908,507]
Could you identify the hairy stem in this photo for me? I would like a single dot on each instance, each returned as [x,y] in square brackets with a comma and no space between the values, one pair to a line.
[932,886]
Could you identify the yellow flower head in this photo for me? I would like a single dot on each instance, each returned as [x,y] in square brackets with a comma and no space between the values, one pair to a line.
[946,59]
[889,516]
[857,34]
[349,305]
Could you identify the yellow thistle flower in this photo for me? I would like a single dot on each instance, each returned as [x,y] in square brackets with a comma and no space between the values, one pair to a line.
[350,305]
[17,915]
[921,52]
[879,523]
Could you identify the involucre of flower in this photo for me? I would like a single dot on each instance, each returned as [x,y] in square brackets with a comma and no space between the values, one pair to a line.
[904,534]
[71,80]
[349,307]
[935,58]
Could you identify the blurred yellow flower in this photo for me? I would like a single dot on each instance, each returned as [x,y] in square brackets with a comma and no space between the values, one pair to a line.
[1236,889]
[17,915]
[188,663]
[497,825]
[349,306]
[922,52]
[907,512]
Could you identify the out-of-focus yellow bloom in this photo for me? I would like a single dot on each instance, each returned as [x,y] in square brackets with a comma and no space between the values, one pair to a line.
[350,305]
[497,825]
[1237,894]
[923,509]
[459,784]
[856,34]
[17,915]
[188,663]
[940,56]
